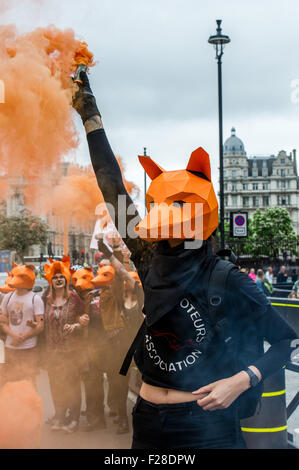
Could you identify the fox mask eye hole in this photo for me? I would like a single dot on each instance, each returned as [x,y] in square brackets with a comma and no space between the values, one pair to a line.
[178,203]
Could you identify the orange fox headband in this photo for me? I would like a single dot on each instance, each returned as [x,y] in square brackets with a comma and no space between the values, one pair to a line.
[22,277]
[55,267]
[82,278]
[181,204]
[104,277]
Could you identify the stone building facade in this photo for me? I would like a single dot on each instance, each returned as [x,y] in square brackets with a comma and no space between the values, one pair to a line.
[259,182]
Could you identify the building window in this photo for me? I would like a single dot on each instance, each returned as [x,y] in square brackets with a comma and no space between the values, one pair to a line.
[256,201]
[265,201]
[234,187]
[255,186]
[224,174]
[282,200]
[254,172]
[265,186]
[265,172]
[277,184]
[245,173]
[245,201]
[245,186]
[283,172]
[282,161]
[234,174]
[234,201]
[283,184]
[226,201]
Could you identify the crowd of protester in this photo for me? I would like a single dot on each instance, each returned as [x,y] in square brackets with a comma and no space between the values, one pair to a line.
[266,279]
[78,331]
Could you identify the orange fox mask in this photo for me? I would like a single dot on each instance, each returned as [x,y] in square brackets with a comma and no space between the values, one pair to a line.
[22,277]
[105,277]
[181,204]
[55,267]
[5,289]
[82,278]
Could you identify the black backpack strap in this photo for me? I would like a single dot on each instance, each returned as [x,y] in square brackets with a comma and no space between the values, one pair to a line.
[216,296]
[129,356]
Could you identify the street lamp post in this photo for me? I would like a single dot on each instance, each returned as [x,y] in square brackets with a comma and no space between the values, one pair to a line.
[219,40]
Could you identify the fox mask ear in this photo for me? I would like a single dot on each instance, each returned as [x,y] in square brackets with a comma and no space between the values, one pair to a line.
[152,169]
[30,266]
[200,162]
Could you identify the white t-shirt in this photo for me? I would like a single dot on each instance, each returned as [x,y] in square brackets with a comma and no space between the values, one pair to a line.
[269,277]
[19,309]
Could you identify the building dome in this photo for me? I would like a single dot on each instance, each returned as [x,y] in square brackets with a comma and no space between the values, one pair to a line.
[233,144]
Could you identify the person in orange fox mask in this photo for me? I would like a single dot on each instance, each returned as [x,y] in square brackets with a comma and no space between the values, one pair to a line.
[200,348]
[24,312]
[64,351]
[109,279]
[92,377]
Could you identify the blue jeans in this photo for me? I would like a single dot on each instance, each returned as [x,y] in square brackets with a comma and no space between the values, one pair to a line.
[185,425]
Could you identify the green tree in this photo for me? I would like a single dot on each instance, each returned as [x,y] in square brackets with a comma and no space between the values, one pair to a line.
[271,232]
[19,233]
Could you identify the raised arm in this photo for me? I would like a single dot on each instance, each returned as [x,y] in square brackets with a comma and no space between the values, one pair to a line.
[105,165]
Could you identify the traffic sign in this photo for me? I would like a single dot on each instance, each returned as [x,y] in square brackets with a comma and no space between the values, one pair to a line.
[238,224]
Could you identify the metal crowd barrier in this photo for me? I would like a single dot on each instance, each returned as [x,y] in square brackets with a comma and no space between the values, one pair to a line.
[268,429]
[288,308]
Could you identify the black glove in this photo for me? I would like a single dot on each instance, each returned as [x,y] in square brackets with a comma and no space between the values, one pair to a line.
[84,101]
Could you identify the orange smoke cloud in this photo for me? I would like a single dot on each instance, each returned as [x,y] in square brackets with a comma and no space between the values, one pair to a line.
[21,416]
[36,120]
[75,196]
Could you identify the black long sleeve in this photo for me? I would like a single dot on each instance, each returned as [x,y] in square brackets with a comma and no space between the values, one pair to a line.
[109,178]
[250,302]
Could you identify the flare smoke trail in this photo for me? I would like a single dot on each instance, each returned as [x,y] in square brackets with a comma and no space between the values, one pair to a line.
[74,197]
[36,120]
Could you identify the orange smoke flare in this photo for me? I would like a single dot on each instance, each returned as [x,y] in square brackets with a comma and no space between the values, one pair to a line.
[36,119]
[21,414]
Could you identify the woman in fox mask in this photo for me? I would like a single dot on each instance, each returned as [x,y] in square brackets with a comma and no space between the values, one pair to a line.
[63,337]
[191,386]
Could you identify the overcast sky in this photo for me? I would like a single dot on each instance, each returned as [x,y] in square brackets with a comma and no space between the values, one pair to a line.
[156,77]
